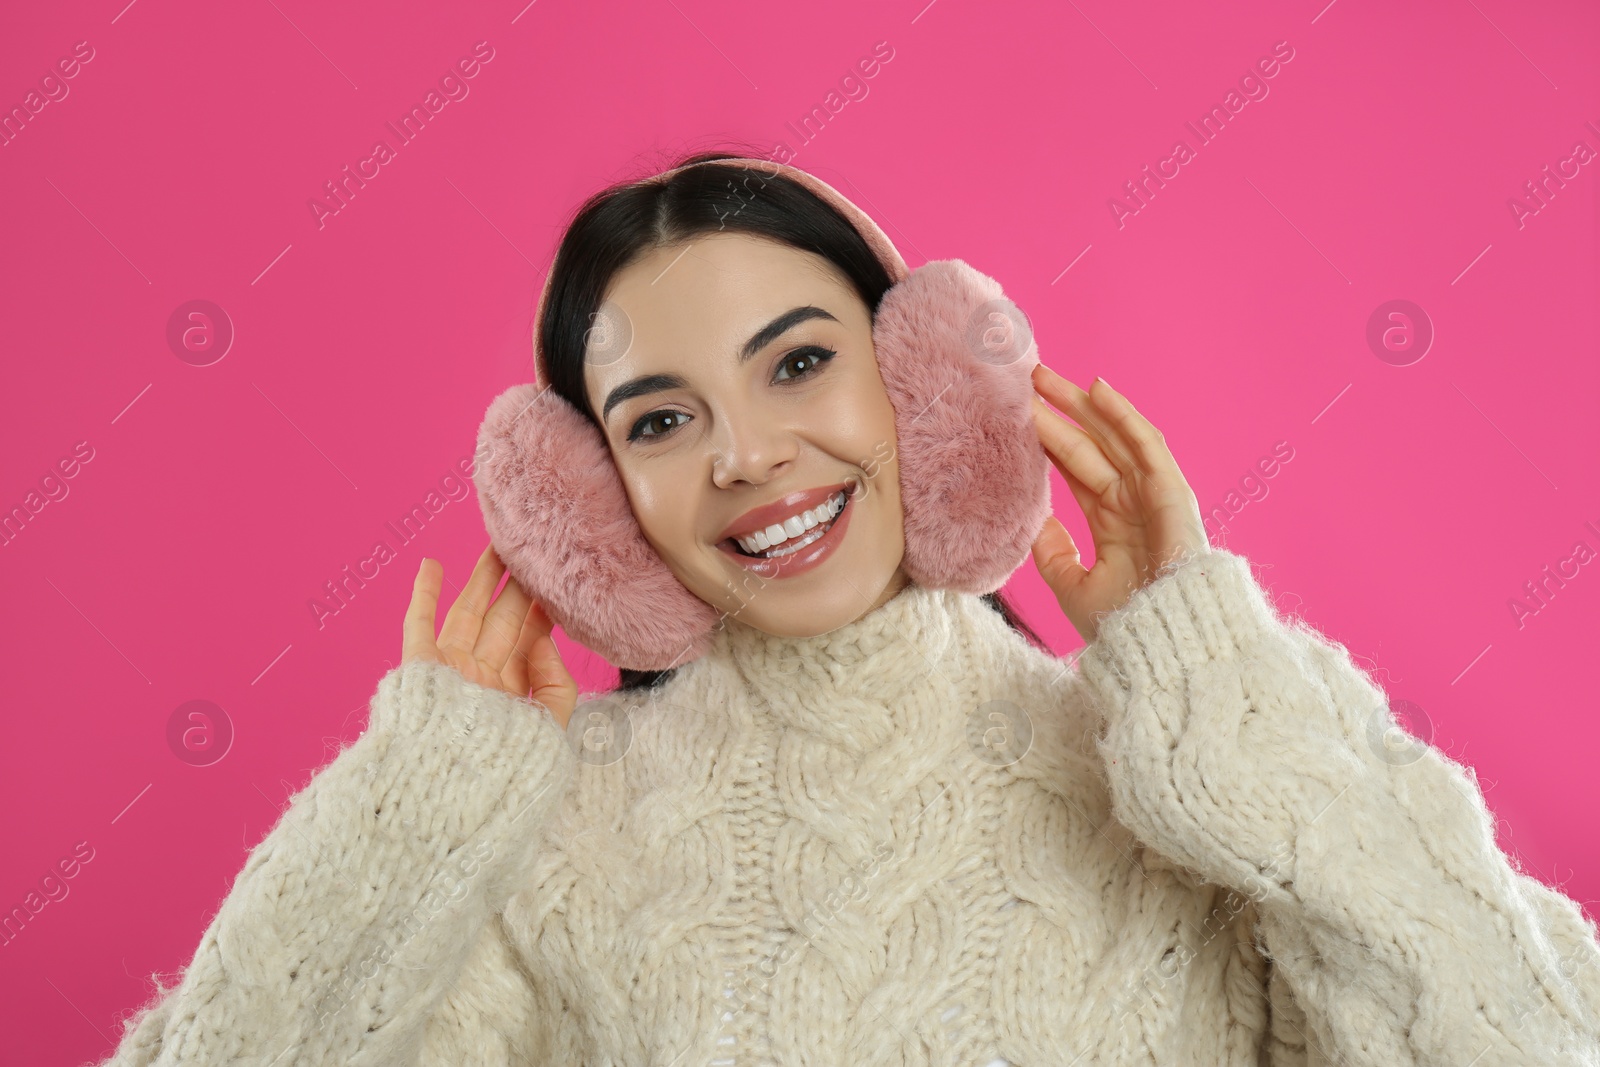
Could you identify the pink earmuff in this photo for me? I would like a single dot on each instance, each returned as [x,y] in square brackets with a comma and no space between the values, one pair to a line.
[955,356]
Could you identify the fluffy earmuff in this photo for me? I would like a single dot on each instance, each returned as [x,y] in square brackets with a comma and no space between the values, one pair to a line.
[558,516]
[955,357]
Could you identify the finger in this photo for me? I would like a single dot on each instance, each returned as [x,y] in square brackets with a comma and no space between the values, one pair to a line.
[465,617]
[1078,404]
[1056,556]
[519,673]
[1109,529]
[416,635]
[1136,433]
[1089,502]
[502,627]
[552,684]
[1072,450]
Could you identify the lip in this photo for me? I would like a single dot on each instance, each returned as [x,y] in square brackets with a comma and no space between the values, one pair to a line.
[782,508]
[808,557]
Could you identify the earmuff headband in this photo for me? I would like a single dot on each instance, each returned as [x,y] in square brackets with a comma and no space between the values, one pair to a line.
[869,230]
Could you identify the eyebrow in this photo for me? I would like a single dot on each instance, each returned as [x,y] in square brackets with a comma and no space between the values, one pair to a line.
[660,383]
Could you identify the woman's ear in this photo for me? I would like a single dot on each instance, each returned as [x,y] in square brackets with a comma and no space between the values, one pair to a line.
[558,514]
[956,358]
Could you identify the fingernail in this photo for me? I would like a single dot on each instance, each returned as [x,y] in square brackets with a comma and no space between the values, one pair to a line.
[1100,379]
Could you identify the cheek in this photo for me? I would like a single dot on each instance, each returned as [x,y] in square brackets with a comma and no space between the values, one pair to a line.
[664,512]
[864,423]
[863,436]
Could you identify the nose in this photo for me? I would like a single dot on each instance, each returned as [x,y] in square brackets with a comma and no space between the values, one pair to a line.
[750,446]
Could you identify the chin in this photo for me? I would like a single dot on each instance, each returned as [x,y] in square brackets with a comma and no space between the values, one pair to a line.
[801,620]
[807,605]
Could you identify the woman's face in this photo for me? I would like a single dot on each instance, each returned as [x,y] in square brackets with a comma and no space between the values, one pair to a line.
[739,392]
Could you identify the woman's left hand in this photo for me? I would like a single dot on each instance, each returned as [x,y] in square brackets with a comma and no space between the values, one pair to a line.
[1141,512]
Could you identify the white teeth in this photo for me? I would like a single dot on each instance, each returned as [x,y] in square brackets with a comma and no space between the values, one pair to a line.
[793,527]
[791,547]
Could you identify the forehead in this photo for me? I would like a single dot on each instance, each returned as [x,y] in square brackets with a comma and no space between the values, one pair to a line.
[728,279]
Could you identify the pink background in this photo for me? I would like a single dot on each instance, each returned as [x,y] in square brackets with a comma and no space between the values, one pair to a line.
[1232,308]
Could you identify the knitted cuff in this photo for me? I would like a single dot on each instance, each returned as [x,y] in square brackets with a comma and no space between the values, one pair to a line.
[1208,608]
[413,694]
[511,749]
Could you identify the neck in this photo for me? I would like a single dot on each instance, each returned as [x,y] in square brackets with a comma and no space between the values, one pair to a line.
[906,665]
[897,585]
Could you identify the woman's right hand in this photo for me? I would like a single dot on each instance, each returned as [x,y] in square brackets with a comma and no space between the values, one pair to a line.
[509,649]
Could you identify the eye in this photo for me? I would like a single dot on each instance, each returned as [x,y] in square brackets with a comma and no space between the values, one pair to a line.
[652,419]
[808,359]
[811,356]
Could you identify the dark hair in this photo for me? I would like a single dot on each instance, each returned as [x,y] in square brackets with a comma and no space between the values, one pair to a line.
[618,224]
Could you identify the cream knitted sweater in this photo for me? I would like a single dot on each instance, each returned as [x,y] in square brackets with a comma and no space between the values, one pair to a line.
[915,839]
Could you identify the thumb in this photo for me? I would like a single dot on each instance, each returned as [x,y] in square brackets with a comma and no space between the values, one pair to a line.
[553,686]
[1055,553]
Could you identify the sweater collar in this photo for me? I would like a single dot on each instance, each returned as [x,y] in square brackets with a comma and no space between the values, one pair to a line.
[873,677]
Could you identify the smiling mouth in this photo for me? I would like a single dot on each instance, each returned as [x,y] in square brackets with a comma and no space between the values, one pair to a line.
[787,538]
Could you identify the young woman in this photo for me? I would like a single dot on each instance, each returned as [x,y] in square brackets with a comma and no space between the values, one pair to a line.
[875,821]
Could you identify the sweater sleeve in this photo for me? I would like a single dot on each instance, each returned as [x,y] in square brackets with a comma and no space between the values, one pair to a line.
[363,928]
[1251,750]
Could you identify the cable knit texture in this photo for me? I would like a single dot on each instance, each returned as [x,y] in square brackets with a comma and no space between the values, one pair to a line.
[913,840]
